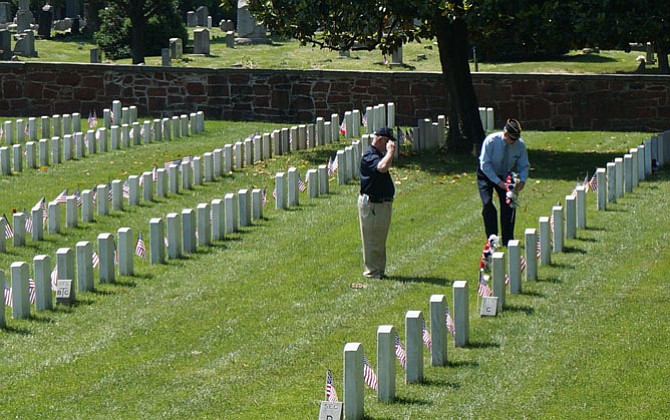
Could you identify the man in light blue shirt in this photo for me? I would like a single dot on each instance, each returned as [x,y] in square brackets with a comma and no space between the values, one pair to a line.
[502,152]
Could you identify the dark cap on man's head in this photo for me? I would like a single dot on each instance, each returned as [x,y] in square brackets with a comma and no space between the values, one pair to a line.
[385,132]
[513,128]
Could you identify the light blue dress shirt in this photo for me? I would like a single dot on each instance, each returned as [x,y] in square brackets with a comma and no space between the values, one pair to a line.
[492,158]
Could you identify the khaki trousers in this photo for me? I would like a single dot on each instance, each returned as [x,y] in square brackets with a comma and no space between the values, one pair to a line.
[375,221]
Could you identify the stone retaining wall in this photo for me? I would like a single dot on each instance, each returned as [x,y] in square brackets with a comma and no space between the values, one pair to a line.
[541,101]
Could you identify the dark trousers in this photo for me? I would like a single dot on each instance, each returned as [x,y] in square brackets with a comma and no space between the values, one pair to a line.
[489,213]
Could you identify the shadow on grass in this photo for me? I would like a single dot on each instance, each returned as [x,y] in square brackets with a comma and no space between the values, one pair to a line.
[413,401]
[533,294]
[441,383]
[573,250]
[463,363]
[15,330]
[528,310]
[555,280]
[439,281]
[474,344]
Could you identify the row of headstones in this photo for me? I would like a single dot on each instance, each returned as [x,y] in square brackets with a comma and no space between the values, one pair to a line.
[353,378]
[185,232]
[620,177]
[216,163]
[77,145]
[487,118]
[616,182]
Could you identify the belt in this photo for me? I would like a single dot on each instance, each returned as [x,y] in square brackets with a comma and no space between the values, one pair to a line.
[375,199]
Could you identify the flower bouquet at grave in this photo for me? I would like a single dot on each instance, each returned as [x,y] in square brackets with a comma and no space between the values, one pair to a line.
[512,194]
[485,261]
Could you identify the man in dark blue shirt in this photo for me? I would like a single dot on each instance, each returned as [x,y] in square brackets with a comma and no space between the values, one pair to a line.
[375,201]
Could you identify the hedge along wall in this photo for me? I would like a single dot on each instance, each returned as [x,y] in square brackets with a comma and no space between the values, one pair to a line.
[541,101]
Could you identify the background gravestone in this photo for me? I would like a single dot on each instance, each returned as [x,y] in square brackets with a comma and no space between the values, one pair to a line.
[201,14]
[25,45]
[5,12]
[44,22]
[201,41]
[72,8]
[5,45]
[248,30]
[24,18]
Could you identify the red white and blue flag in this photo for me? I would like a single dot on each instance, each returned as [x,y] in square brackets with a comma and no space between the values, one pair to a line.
[331,394]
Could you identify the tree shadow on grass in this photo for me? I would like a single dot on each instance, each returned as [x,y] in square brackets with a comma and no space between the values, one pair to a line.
[476,344]
[533,294]
[573,250]
[555,280]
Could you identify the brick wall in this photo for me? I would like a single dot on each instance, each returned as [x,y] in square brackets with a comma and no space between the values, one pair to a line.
[541,101]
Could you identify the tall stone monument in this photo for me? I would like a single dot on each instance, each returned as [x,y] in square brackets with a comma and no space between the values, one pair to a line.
[5,12]
[249,31]
[24,18]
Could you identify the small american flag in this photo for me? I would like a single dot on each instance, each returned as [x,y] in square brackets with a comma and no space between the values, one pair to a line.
[483,290]
[28,222]
[365,120]
[110,195]
[522,264]
[62,197]
[95,259]
[92,120]
[27,130]
[140,248]
[426,336]
[331,167]
[264,196]
[126,189]
[301,184]
[451,326]
[32,295]
[8,295]
[538,248]
[551,222]
[343,128]
[54,278]
[331,394]
[2,132]
[400,353]
[593,183]
[43,205]
[274,193]
[506,278]
[9,232]
[77,195]
[409,135]
[369,375]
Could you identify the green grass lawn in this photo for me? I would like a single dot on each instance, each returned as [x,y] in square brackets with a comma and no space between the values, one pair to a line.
[246,328]
[289,54]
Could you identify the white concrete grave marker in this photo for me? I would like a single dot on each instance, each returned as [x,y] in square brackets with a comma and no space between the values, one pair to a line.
[148,187]
[87,206]
[530,250]
[91,142]
[489,306]
[161,183]
[20,300]
[53,222]
[79,145]
[498,276]
[157,241]
[618,173]
[342,165]
[386,363]
[3,239]
[285,137]
[634,173]
[197,170]
[19,223]
[126,251]
[230,204]
[217,163]
[334,127]
[545,241]
[266,149]
[256,204]
[66,272]
[102,200]
[42,270]
[208,160]
[581,207]
[136,132]
[84,252]
[611,182]
[146,132]
[628,173]
[204,224]
[602,188]
[353,381]
[55,150]
[257,147]
[117,195]
[293,197]
[188,239]
[438,330]
[173,179]
[5,162]
[37,216]
[176,127]
[312,183]
[248,152]
[125,136]
[115,137]
[46,126]
[101,133]
[323,179]
[106,273]
[414,323]
[174,235]
[570,217]
[281,199]
[218,220]
[17,157]
[514,266]
[641,153]
[302,137]
[133,190]
[461,313]
[558,234]
[238,152]
[228,158]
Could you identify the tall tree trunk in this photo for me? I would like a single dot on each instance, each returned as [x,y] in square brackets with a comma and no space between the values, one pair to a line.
[663,66]
[138,47]
[466,132]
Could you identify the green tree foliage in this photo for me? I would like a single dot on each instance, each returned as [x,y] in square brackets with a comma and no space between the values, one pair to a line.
[521,29]
[370,24]
[140,26]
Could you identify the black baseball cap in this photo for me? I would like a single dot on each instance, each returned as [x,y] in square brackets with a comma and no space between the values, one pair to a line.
[385,132]
[513,128]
